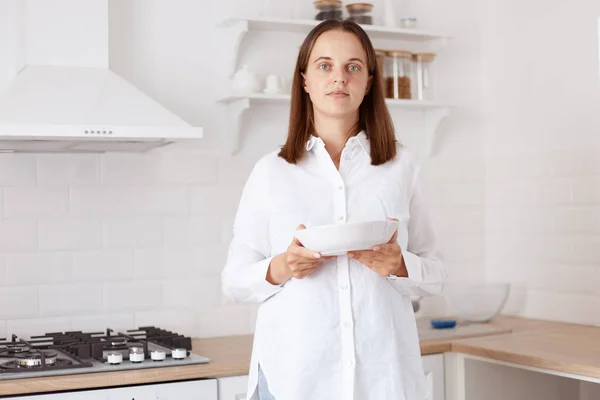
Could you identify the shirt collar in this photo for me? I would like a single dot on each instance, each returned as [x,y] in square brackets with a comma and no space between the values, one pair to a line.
[360,138]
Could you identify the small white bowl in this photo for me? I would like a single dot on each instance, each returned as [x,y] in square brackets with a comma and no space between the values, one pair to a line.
[476,302]
[334,240]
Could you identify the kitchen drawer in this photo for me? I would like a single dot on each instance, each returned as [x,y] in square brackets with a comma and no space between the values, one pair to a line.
[190,390]
[233,387]
[433,366]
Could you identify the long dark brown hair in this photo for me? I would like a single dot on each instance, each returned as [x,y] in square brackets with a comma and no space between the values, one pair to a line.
[374,117]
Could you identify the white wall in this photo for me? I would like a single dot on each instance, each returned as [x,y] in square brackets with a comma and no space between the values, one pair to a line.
[541,96]
[89,241]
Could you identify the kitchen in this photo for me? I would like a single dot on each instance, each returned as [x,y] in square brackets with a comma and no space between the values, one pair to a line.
[124,240]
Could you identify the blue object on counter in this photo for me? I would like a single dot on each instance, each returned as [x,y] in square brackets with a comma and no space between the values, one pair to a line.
[443,323]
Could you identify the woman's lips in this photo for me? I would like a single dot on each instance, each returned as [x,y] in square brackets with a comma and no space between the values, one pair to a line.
[338,93]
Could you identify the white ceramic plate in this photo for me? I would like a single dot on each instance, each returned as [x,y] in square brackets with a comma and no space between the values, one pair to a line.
[334,240]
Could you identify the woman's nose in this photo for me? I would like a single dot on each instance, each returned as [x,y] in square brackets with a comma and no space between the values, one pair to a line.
[340,76]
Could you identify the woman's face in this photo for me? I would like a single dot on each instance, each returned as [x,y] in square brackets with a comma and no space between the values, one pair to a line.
[337,75]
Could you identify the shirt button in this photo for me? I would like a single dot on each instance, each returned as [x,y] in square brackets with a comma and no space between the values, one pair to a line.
[351,362]
[347,324]
[341,217]
[344,286]
[340,187]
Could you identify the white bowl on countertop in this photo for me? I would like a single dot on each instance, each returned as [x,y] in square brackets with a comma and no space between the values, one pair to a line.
[476,301]
[333,240]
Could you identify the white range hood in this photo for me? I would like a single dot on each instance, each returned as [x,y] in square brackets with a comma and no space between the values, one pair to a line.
[65,98]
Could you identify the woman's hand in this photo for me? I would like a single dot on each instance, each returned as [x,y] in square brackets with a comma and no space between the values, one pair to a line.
[297,262]
[385,259]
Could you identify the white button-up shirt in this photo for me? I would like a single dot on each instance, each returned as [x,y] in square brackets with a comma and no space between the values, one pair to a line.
[343,332]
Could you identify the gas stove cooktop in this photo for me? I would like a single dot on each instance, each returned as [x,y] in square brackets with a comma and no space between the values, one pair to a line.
[77,352]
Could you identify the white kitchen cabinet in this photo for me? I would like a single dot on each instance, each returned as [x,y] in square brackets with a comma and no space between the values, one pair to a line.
[233,387]
[190,390]
[433,365]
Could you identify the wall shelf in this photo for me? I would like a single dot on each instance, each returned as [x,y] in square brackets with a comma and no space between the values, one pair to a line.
[431,114]
[236,28]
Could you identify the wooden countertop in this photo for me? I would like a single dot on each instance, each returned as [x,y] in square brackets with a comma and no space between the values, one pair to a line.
[550,345]
[572,349]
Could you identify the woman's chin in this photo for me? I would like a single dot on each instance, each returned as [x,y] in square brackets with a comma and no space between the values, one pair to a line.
[339,108]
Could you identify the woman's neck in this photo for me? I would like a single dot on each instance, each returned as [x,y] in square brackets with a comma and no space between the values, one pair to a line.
[335,132]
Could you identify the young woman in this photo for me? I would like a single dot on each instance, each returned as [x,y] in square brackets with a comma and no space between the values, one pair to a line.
[334,327]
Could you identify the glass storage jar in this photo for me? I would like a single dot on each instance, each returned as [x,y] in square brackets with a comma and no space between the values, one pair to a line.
[380,57]
[397,74]
[328,9]
[422,72]
[360,13]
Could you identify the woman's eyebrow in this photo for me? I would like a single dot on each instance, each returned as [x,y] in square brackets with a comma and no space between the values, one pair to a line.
[329,59]
[322,58]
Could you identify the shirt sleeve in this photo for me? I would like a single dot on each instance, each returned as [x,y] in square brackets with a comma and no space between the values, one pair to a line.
[244,276]
[426,269]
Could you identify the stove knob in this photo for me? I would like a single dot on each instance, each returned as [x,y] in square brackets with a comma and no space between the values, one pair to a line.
[136,354]
[179,354]
[158,355]
[114,358]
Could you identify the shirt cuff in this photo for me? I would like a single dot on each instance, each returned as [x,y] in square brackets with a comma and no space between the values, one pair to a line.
[260,286]
[415,274]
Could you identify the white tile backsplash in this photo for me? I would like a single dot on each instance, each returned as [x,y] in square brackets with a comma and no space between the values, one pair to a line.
[224,321]
[18,235]
[18,302]
[38,268]
[191,294]
[187,169]
[105,265]
[101,201]
[154,200]
[132,232]
[17,170]
[150,263]
[68,169]
[128,169]
[3,278]
[36,202]
[37,326]
[70,234]
[70,299]
[132,296]
[193,231]
[98,322]
[219,201]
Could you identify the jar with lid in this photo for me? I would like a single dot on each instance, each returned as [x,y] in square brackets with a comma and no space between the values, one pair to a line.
[380,59]
[360,13]
[398,74]
[422,72]
[328,9]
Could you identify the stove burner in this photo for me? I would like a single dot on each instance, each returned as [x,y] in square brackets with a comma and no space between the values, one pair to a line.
[14,365]
[34,359]
[117,343]
[11,350]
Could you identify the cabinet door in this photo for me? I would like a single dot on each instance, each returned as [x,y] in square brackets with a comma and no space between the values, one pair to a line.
[205,389]
[434,375]
[233,387]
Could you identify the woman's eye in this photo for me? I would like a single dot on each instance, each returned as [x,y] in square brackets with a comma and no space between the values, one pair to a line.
[324,67]
[354,68]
